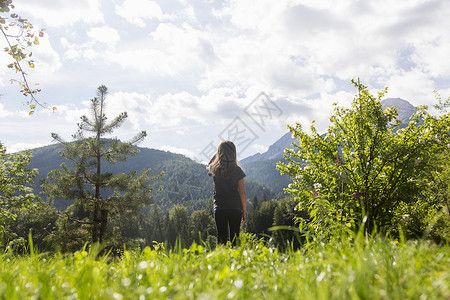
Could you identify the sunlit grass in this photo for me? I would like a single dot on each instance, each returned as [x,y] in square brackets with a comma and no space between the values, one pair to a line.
[345,269]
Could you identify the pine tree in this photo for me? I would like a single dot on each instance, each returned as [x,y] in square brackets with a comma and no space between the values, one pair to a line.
[101,193]
[180,219]
[252,216]
[201,226]
[154,225]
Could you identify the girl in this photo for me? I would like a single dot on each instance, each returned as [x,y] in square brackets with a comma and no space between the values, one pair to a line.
[230,199]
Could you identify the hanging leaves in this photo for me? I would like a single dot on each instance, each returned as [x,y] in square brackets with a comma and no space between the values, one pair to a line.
[20,35]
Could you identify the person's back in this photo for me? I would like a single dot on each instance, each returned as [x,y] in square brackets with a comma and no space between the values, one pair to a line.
[230,199]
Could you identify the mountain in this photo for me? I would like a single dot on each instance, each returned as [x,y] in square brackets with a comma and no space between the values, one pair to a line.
[404,109]
[275,151]
[184,182]
[261,167]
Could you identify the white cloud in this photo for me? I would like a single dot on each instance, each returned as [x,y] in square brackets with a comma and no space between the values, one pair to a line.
[317,109]
[47,61]
[179,150]
[246,14]
[3,112]
[62,12]
[24,146]
[171,51]
[136,105]
[138,11]
[5,73]
[68,114]
[260,148]
[179,112]
[102,39]
[413,86]
[105,35]
[75,51]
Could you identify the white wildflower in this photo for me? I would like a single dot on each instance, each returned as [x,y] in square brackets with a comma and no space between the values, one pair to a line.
[438,137]
[418,161]
[239,283]
[143,265]
[126,282]
[405,218]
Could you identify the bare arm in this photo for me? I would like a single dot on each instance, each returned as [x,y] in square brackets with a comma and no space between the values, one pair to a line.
[243,196]
[208,166]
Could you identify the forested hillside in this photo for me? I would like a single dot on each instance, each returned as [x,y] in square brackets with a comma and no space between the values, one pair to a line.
[184,182]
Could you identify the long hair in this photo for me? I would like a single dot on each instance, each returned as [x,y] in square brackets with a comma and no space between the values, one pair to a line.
[223,161]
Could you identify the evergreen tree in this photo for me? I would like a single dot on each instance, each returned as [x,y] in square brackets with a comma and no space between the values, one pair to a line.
[170,233]
[285,216]
[210,207]
[180,220]
[154,226]
[264,219]
[202,225]
[101,193]
[252,216]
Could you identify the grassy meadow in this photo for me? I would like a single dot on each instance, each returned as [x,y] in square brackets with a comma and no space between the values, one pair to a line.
[349,268]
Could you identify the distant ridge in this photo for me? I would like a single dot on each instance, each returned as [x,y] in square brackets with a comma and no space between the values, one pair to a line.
[185,181]
[275,151]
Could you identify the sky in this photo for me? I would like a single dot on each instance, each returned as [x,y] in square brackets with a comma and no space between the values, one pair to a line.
[192,73]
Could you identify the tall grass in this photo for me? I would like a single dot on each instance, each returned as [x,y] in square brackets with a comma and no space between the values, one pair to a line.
[347,268]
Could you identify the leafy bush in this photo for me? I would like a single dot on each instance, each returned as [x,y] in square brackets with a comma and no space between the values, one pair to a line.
[15,188]
[365,169]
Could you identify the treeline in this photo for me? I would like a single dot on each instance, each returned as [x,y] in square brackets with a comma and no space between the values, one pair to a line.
[53,231]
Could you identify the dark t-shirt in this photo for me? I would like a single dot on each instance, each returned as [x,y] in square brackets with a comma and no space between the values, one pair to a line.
[226,193]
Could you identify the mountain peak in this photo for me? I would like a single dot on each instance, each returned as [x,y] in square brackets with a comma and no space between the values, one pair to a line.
[275,150]
[404,108]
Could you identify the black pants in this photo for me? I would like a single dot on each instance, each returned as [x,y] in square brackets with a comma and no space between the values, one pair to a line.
[228,221]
